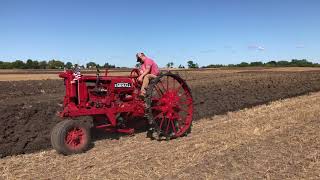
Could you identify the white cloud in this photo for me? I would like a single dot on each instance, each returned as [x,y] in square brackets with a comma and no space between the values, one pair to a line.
[300,46]
[256,47]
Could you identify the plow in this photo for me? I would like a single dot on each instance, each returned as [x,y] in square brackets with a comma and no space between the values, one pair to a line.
[113,104]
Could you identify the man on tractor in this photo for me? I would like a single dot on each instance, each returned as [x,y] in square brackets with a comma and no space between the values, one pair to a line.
[148,71]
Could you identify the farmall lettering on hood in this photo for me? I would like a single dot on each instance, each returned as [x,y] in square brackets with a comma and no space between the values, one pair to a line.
[122,85]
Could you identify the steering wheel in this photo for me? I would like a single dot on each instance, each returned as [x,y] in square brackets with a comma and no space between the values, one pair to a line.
[98,77]
[135,73]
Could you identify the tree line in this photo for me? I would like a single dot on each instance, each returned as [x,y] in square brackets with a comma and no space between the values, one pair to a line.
[56,64]
[190,64]
[283,63]
[52,64]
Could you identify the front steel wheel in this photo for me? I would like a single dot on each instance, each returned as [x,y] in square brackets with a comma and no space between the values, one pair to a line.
[70,137]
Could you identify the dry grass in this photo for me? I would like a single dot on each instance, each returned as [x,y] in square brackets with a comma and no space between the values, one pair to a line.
[21,77]
[276,141]
[18,74]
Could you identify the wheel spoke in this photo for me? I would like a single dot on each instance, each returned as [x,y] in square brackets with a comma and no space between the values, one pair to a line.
[167,83]
[156,108]
[155,99]
[185,103]
[174,83]
[163,86]
[157,116]
[174,128]
[178,89]
[168,125]
[162,119]
[69,140]
[160,93]
[184,110]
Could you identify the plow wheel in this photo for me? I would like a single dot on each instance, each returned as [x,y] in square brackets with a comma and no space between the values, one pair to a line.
[70,137]
[169,107]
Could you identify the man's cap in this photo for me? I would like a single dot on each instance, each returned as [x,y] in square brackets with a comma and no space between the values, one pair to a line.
[138,56]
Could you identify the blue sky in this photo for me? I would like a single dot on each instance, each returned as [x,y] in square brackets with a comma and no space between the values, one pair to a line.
[206,31]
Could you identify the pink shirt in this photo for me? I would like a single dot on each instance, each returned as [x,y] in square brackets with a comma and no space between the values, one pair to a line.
[152,64]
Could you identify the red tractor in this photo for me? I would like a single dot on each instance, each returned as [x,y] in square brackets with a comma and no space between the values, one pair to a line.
[114,104]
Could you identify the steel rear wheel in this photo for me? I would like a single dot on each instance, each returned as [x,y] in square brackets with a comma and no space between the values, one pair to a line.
[70,137]
[169,106]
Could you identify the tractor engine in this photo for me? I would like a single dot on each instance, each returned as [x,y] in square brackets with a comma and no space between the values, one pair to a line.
[91,95]
[106,92]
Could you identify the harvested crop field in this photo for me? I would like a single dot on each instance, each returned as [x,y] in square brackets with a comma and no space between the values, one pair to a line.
[280,140]
[28,108]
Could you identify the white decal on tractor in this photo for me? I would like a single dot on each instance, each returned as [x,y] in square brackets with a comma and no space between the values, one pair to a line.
[122,85]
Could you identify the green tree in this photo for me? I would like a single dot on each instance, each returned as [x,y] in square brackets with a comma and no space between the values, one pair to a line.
[283,63]
[35,64]
[43,65]
[18,64]
[213,66]
[68,65]
[301,63]
[5,65]
[191,64]
[138,65]
[29,64]
[256,63]
[108,66]
[91,65]
[169,64]
[271,63]
[243,64]
[55,64]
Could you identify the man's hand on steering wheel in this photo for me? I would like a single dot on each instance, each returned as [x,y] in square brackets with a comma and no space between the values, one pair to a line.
[140,78]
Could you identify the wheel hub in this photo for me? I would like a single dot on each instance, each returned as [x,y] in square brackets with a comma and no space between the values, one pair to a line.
[75,137]
[169,104]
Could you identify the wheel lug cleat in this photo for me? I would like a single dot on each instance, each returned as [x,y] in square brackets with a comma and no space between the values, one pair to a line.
[150,133]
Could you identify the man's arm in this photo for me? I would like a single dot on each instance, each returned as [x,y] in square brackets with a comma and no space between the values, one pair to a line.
[147,71]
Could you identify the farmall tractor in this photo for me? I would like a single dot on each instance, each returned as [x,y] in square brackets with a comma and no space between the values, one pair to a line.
[112,103]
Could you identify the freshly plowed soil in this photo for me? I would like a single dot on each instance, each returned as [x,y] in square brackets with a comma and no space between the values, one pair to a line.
[28,108]
[217,94]
[14,89]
